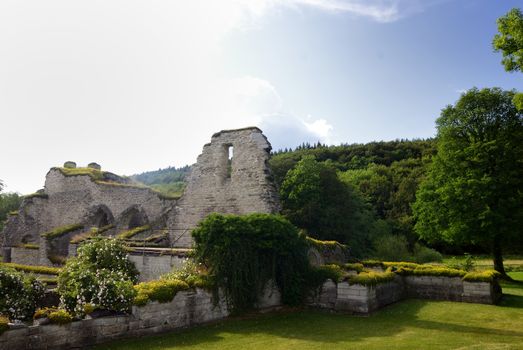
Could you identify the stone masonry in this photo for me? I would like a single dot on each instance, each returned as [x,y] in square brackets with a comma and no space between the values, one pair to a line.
[231,176]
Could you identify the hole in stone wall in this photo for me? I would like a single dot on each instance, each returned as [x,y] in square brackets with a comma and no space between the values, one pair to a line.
[230,154]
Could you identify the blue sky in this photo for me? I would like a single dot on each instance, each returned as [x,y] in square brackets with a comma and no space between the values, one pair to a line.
[138,85]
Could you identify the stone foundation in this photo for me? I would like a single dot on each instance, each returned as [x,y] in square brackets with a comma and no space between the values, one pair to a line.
[361,299]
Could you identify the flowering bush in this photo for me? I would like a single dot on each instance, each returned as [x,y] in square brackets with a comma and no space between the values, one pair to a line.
[101,275]
[192,273]
[19,294]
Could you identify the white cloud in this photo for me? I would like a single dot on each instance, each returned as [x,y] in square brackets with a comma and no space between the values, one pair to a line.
[319,127]
[136,85]
[378,10]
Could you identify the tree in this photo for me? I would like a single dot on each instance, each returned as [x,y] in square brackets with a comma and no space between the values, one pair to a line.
[315,199]
[9,202]
[473,192]
[509,41]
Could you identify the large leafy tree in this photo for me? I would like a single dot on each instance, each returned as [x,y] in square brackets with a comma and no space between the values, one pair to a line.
[473,192]
[509,41]
[315,199]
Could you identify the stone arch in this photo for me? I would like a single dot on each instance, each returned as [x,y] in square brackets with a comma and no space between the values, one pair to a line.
[315,258]
[100,216]
[132,217]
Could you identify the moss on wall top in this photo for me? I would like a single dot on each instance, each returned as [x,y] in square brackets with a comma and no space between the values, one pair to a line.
[62,230]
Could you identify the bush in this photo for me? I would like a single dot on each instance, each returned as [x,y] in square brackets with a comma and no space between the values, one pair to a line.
[4,324]
[60,317]
[468,264]
[424,254]
[318,275]
[483,276]
[242,253]
[100,275]
[371,278]
[391,248]
[19,294]
[162,291]
[193,274]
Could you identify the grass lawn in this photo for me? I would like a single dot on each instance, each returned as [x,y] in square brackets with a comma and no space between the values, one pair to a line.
[483,262]
[411,324]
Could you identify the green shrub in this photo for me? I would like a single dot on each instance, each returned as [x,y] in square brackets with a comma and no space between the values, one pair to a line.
[19,294]
[60,231]
[468,264]
[193,274]
[162,291]
[4,324]
[60,317]
[428,270]
[318,275]
[44,270]
[391,248]
[358,267]
[424,254]
[482,276]
[243,253]
[370,278]
[101,275]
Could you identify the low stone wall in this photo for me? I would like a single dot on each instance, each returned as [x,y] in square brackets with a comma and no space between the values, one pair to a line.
[361,299]
[186,309]
[24,256]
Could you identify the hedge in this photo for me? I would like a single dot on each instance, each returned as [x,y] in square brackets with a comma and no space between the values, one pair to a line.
[44,270]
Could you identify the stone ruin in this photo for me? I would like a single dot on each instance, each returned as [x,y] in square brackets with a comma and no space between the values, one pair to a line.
[231,176]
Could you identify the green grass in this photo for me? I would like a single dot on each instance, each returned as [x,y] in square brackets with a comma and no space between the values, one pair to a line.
[411,324]
[483,262]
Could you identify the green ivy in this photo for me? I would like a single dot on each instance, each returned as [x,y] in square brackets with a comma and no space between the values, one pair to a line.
[242,253]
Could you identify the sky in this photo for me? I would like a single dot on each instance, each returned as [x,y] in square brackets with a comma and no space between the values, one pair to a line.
[141,85]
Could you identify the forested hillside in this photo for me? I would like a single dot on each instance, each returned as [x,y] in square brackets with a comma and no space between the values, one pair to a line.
[170,180]
[360,194]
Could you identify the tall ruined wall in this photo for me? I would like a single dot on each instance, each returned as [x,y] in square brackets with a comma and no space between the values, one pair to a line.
[79,199]
[239,185]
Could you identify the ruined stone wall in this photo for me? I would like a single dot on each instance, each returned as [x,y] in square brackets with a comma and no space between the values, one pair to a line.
[217,183]
[77,199]
[240,186]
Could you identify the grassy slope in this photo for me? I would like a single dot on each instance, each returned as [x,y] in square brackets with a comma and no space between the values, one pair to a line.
[412,324]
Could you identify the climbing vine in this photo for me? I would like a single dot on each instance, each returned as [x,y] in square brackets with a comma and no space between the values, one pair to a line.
[242,253]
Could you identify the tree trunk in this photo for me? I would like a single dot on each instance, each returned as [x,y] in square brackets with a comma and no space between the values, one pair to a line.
[498,258]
